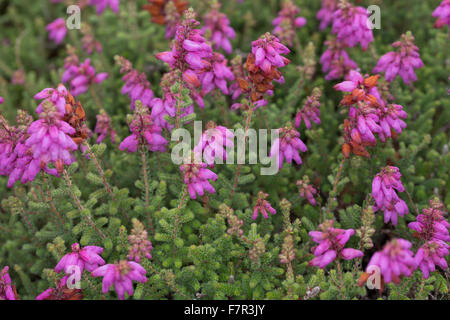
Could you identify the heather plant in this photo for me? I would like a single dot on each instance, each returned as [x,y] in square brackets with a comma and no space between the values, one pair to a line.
[94,206]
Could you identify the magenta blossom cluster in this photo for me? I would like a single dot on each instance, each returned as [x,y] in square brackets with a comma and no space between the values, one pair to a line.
[335,61]
[325,14]
[57,30]
[121,275]
[218,25]
[84,258]
[351,25]
[55,293]
[213,143]
[167,106]
[431,224]
[196,176]
[432,228]
[402,62]
[442,13]
[56,97]
[82,76]
[143,133]
[136,84]
[101,5]
[287,22]
[386,199]
[2,100]
[268,51]
[140,246]
[394,260]
[306,190]
[104,128]
[262,205]
[6,290]
[310,110]
[331,242]
[48,143]
[287,146]
[190,52]
[216,75]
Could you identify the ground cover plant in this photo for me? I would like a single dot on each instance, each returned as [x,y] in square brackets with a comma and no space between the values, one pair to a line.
[121,169]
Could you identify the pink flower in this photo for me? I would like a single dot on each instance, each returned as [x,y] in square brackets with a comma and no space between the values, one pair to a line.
[57,30]
[84,258]
[121,275]
[287,21]
[216,75]
[262,205]
[140,246]
[442,12]
[430,254]
[431,224]
[136,84]
[218,25]
[394,261]
[350,25]
[360,89]
[306,190]
[213,144]
[190,53]
[325,14]
[331,242]
[54,96]
[268,52]
[101,5]
[196,176]
[335,61]
[81,76]
[403,62]
[287,146]
[383,191]
[310,111]
[104,128]
[143,133]
[391,119]
[6,290]
[1,100]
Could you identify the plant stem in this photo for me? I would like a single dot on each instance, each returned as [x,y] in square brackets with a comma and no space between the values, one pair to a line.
[144,172]
[99,168]
[80,207]
[336,180]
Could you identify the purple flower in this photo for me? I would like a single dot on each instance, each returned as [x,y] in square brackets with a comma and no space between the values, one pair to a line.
[213,143]
[190,52]
[394,261]
[403,62]
[335,61]
[56,97]
[6,290]
[391,119]
[121,275]
[350,25]
[331,242]
[1,100]
[287,146]
[218,25]
[57,30]
[81,76]
[143,133]
[361,89]
[383,191]
[442,13]
[196,176]
[287,21]
[306,190]
[310,111]
[262,205]
[140,246]
[84,258]
[430,254]
[216,75]
[325,14]
[268,52]
[136,84]
[104,128]
[431,224]
[102,4]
